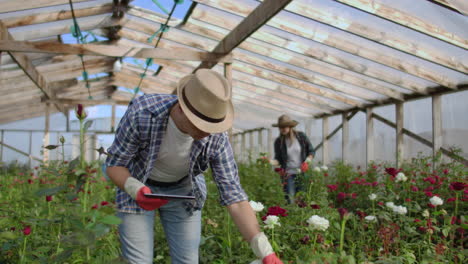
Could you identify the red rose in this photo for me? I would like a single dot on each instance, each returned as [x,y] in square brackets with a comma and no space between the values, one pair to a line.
[332,187]
[341,196]
[315,206]
[276,210]
[27,230]
[392,171]
[104,203]
[48,198]
[457,186]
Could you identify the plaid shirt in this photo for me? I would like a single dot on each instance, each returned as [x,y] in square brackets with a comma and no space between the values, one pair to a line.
[136,147]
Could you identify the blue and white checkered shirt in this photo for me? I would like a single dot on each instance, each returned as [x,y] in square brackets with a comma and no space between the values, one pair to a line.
[136,147]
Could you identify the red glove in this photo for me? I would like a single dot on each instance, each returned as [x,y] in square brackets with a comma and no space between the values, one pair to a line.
[271,259]
[304,166]
[137,190]
[146,203]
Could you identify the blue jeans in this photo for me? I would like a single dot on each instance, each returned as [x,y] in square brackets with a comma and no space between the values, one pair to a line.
[291,186]
[182,230]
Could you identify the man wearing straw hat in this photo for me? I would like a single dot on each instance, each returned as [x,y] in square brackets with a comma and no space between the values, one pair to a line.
[163,144]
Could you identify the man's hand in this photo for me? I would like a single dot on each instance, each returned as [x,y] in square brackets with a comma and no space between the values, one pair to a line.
[263,250]
[274,162]
[137,190]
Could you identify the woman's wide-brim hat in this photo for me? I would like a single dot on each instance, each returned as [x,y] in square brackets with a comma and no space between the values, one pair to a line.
[285,121]
[205,98]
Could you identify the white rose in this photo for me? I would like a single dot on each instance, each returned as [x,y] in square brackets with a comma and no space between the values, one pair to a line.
[317,169]
[425,213]
[271,221]
[257,206]
[401,177]
[318,223]
[324,168]
[370,218]
[400,209]
[435,200]
[372,196]
[390,205]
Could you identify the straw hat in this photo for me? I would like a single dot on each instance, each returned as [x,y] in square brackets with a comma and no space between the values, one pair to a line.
[205,98]
[285,121]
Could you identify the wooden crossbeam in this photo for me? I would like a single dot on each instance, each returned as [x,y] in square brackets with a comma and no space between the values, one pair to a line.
[420,139]
[28,68]
[249,25]
[113,51]
[350,115]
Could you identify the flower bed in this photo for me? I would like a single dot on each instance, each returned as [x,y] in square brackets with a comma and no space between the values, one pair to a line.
[62,214]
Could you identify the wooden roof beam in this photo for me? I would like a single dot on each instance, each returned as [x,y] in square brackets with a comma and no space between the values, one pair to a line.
[113,51]
[18,5]
[370,52]
[257,18]
[408,20]
[31,71]
[44,17]
[460,6]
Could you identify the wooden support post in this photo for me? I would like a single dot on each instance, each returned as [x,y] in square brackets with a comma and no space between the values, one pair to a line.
[30,149]
[46,139]
[270,143]
[67,116]
[1,147]
[345,138]
[251,143]
[308,128]
[243,147]
[436,124]
[399,133]
[260,140]
[113,118]
[325,157]
[369,137]
[228,75]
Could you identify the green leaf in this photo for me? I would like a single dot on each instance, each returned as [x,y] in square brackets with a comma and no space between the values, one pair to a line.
[64,256]
[110,220]
[7,235]
[87,125]
[50,191]
[50,147]
[445,231]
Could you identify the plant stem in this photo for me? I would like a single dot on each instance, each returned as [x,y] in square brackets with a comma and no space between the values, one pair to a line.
[456,204]
[343,222]
[58,236]
[82,161]
[24,249]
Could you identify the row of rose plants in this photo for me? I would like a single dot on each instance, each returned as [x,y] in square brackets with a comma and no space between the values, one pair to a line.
[64,212]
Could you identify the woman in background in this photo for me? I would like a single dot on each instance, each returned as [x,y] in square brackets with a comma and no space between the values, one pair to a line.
[293,153]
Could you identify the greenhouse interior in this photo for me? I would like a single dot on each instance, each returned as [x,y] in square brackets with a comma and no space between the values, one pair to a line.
[342,137]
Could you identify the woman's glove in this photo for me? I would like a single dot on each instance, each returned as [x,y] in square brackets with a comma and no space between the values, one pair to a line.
[137,190]
[263,250]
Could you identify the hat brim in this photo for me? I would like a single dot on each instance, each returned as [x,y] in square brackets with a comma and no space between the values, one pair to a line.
[203,125]
[293,123]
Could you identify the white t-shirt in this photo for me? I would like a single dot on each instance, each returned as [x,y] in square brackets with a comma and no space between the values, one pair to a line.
[173,162]
[294,156]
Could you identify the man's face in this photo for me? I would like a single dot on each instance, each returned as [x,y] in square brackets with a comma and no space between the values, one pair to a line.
[194,132]
[284,130]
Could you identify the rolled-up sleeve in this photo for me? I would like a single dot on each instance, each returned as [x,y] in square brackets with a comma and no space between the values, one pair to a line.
[125,144]
[225,174]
